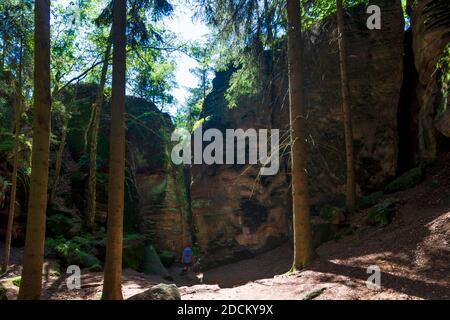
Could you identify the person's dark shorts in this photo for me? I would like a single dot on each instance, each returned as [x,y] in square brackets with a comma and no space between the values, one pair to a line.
[187,265]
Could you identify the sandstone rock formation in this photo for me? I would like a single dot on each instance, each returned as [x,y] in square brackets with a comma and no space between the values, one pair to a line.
[431,36]
[237,213]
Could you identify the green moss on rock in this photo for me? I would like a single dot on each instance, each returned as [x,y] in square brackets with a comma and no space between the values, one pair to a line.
[370,200]
[159,292]
[96,268]
[133,251]
[314,294]
[3,296]
[81,258]
[332,214]
[152,263]
[381,214]
[167,258]
[407,180]
[16,281]
[61,225]
[70,252]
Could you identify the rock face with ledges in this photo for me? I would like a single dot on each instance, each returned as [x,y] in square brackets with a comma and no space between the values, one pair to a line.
[236,212]
[431,34]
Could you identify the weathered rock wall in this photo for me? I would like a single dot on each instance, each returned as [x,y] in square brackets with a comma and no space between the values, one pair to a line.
[430,20]
[238,215]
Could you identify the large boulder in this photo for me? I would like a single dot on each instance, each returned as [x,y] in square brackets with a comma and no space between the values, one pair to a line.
[323,232]
[159,292]
[152,263]
[62,225]
[370,200]
[407,180]
[381,214]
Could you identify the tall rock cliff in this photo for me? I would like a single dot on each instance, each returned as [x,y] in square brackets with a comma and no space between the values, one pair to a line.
[236,212]
[430,20]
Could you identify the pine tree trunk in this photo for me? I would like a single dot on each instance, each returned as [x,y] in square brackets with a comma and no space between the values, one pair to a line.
[31,283]
[346,110]
[59,160]
[268,20]
[303,250]
[60,152]
[12,202]
[97,107]
[4,51]
[87,130]
[113,263]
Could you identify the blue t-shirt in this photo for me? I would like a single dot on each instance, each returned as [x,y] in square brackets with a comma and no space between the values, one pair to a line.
[187,255]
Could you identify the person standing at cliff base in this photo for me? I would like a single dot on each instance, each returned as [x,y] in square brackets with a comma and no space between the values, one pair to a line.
[187,258]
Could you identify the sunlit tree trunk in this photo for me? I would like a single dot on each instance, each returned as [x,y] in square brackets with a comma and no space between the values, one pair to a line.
[346,110]
[31,283]
[113,263]
[97,107]
[303,250]
[12,202]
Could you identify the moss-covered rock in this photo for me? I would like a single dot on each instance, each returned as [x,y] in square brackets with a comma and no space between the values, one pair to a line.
[16,281]
[314,294]
[86,260]
[167,258]
[381,214]
[70,252]
[61,225]
[332,214]
[159,292]
[407,180]
[370,200]
[133,251]
[152,264]
[95,268]
[3,293]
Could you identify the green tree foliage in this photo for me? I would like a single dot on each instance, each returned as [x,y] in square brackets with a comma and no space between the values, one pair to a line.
[250,33]
[189,114]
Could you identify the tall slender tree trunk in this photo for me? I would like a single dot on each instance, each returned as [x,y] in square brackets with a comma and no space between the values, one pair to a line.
[346,110]
[61,147]
[4,51]
[97,107]
[112,289]
[303,249]
[59,159]
[31,283]
[12,202]
[268,21]
[87,130]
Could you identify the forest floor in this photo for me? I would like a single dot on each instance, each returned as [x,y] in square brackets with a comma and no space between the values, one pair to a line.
[413,254]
